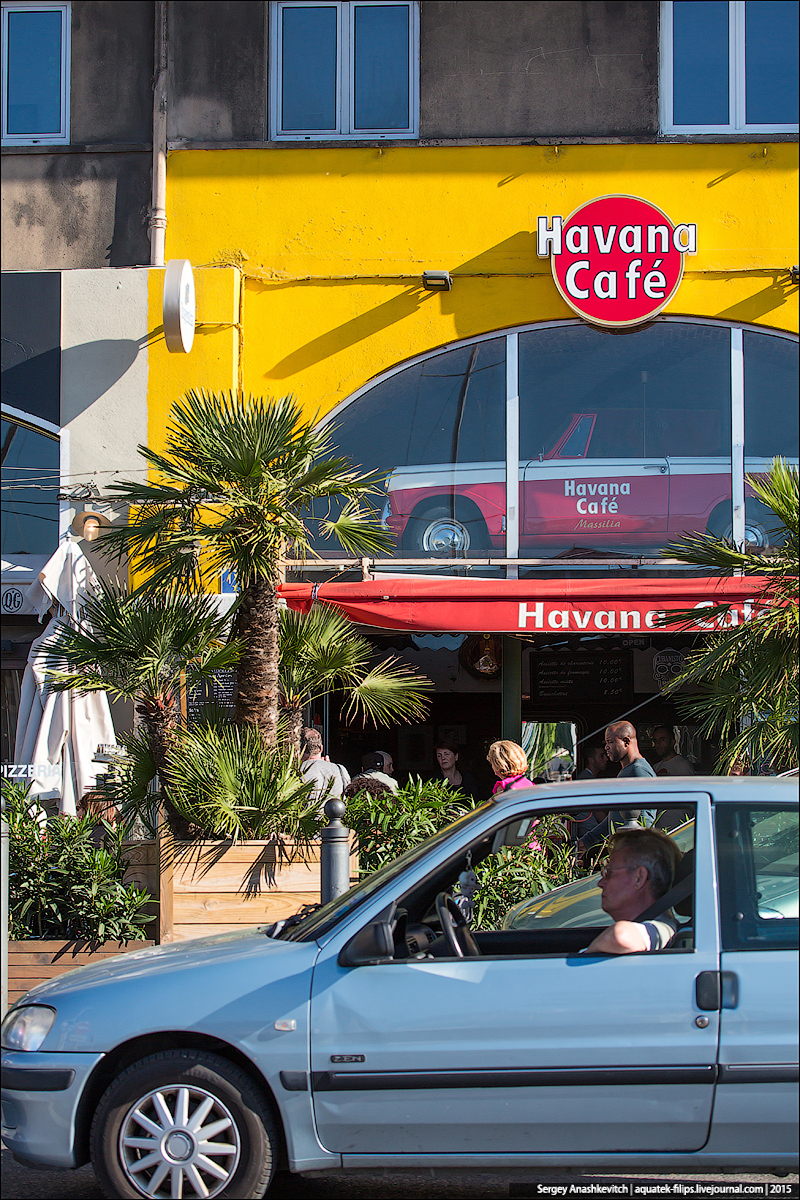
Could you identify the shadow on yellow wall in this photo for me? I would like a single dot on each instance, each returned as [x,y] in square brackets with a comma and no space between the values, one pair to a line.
[760,303]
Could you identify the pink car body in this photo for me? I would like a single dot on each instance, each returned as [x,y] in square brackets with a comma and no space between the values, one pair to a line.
[567,497]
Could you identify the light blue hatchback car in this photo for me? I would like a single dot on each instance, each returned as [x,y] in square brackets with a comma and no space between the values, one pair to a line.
[379,1032]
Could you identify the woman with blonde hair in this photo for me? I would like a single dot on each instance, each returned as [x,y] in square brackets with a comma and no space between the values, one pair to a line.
[509,763]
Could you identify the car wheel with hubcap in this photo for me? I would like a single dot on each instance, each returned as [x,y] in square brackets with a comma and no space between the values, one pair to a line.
[447,531]
[759,525]
[183,1123]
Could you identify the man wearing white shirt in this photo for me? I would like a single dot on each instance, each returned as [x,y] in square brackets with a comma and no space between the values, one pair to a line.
[670,762]
[329,778]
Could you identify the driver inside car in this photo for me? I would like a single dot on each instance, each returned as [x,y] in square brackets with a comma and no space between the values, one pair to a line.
[639,871]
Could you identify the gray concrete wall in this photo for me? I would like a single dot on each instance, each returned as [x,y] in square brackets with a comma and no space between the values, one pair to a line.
[65,210]
[111,83]
[571,68]
[104,371]
[218,70]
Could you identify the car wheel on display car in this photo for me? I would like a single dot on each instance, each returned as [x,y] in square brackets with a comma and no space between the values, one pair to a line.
[759,525]
[447,531]
[183,1123]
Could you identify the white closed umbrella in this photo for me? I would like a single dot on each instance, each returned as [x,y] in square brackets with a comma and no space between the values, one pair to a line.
[58,732]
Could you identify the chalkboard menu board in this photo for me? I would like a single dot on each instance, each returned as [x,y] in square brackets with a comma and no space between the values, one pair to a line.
[571,678]
[219,693]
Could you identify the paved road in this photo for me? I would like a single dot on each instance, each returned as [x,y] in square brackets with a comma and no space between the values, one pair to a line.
[21,1183]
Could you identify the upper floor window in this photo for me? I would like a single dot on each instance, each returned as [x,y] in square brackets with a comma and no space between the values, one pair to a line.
[729,67]
[35,74]
[344,70]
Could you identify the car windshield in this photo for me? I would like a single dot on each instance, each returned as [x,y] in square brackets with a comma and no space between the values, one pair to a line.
[323,918]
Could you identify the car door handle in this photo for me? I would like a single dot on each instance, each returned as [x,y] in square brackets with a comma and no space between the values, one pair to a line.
[708,991]
[716,989]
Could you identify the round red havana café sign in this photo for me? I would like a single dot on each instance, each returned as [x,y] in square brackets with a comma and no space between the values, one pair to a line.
[617,260]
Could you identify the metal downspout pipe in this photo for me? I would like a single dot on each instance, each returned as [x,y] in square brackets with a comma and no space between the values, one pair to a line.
[157,224]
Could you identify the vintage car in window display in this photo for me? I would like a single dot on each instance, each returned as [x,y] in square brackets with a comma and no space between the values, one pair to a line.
[381,1032]
[624,441]
[577,492]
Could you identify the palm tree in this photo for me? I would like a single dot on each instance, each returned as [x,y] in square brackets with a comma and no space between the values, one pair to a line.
[143,648]
[321,652]
[745,676]
[231,491]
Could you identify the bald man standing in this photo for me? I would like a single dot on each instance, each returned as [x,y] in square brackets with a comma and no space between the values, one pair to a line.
[622,746]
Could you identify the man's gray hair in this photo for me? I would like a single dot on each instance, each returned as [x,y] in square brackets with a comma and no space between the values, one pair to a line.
[653,850]
[312,741]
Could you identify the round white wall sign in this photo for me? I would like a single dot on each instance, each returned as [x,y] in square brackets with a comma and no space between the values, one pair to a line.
[179,306]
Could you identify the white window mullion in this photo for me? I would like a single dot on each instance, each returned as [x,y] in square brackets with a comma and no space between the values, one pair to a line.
[512,451]
[347,64]
[737,436]
[738,86]
[666,64]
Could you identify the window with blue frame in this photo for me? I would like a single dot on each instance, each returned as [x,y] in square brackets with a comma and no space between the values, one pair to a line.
[35,87]
[344,70]
[729,66]
[30,481]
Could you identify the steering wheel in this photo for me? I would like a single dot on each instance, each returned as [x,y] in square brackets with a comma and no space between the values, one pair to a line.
[455,929]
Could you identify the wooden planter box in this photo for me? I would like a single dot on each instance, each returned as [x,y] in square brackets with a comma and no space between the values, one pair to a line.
[212,887]
[33,961]
[218,886]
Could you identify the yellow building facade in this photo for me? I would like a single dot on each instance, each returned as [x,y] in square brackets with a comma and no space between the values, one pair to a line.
[309,261]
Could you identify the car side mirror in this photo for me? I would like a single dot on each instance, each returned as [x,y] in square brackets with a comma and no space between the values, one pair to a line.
[372,944]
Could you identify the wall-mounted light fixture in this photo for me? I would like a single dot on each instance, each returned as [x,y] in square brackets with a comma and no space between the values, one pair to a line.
[437,281]
[87,525]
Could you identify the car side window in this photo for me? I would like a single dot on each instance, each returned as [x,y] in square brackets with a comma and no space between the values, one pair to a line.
[757,850]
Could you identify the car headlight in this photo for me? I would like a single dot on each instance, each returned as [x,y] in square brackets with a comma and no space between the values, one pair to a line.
[26,1028]
[387,508]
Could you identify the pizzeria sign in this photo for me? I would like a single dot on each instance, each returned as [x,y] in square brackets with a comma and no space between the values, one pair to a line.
[616,260]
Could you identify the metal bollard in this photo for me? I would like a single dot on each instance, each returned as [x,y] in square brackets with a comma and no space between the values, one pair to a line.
[335,856]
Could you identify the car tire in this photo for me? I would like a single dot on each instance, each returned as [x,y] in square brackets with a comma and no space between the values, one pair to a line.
[447,531]
[759,525]
[179,1096]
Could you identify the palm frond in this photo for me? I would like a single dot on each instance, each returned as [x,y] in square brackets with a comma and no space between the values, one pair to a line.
[390,692]
[135,644]
[744,676]
[223,781]
[322,652]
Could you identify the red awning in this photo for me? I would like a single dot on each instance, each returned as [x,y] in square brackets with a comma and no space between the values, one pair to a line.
[528,606]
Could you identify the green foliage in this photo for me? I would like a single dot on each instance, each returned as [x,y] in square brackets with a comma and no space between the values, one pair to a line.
[321,651]
[63,885]
[235,483]
[387,826]
[745,676]
[128,785]
[140,647]
[227,785]
[546,861]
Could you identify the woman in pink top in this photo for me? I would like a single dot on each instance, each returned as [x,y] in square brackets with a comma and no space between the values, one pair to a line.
[509,763]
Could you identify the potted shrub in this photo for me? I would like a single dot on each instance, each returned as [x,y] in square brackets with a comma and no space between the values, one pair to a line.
[70,897]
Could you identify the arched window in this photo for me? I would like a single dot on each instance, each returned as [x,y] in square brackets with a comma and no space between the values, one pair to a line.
[30,481]
[562,440]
